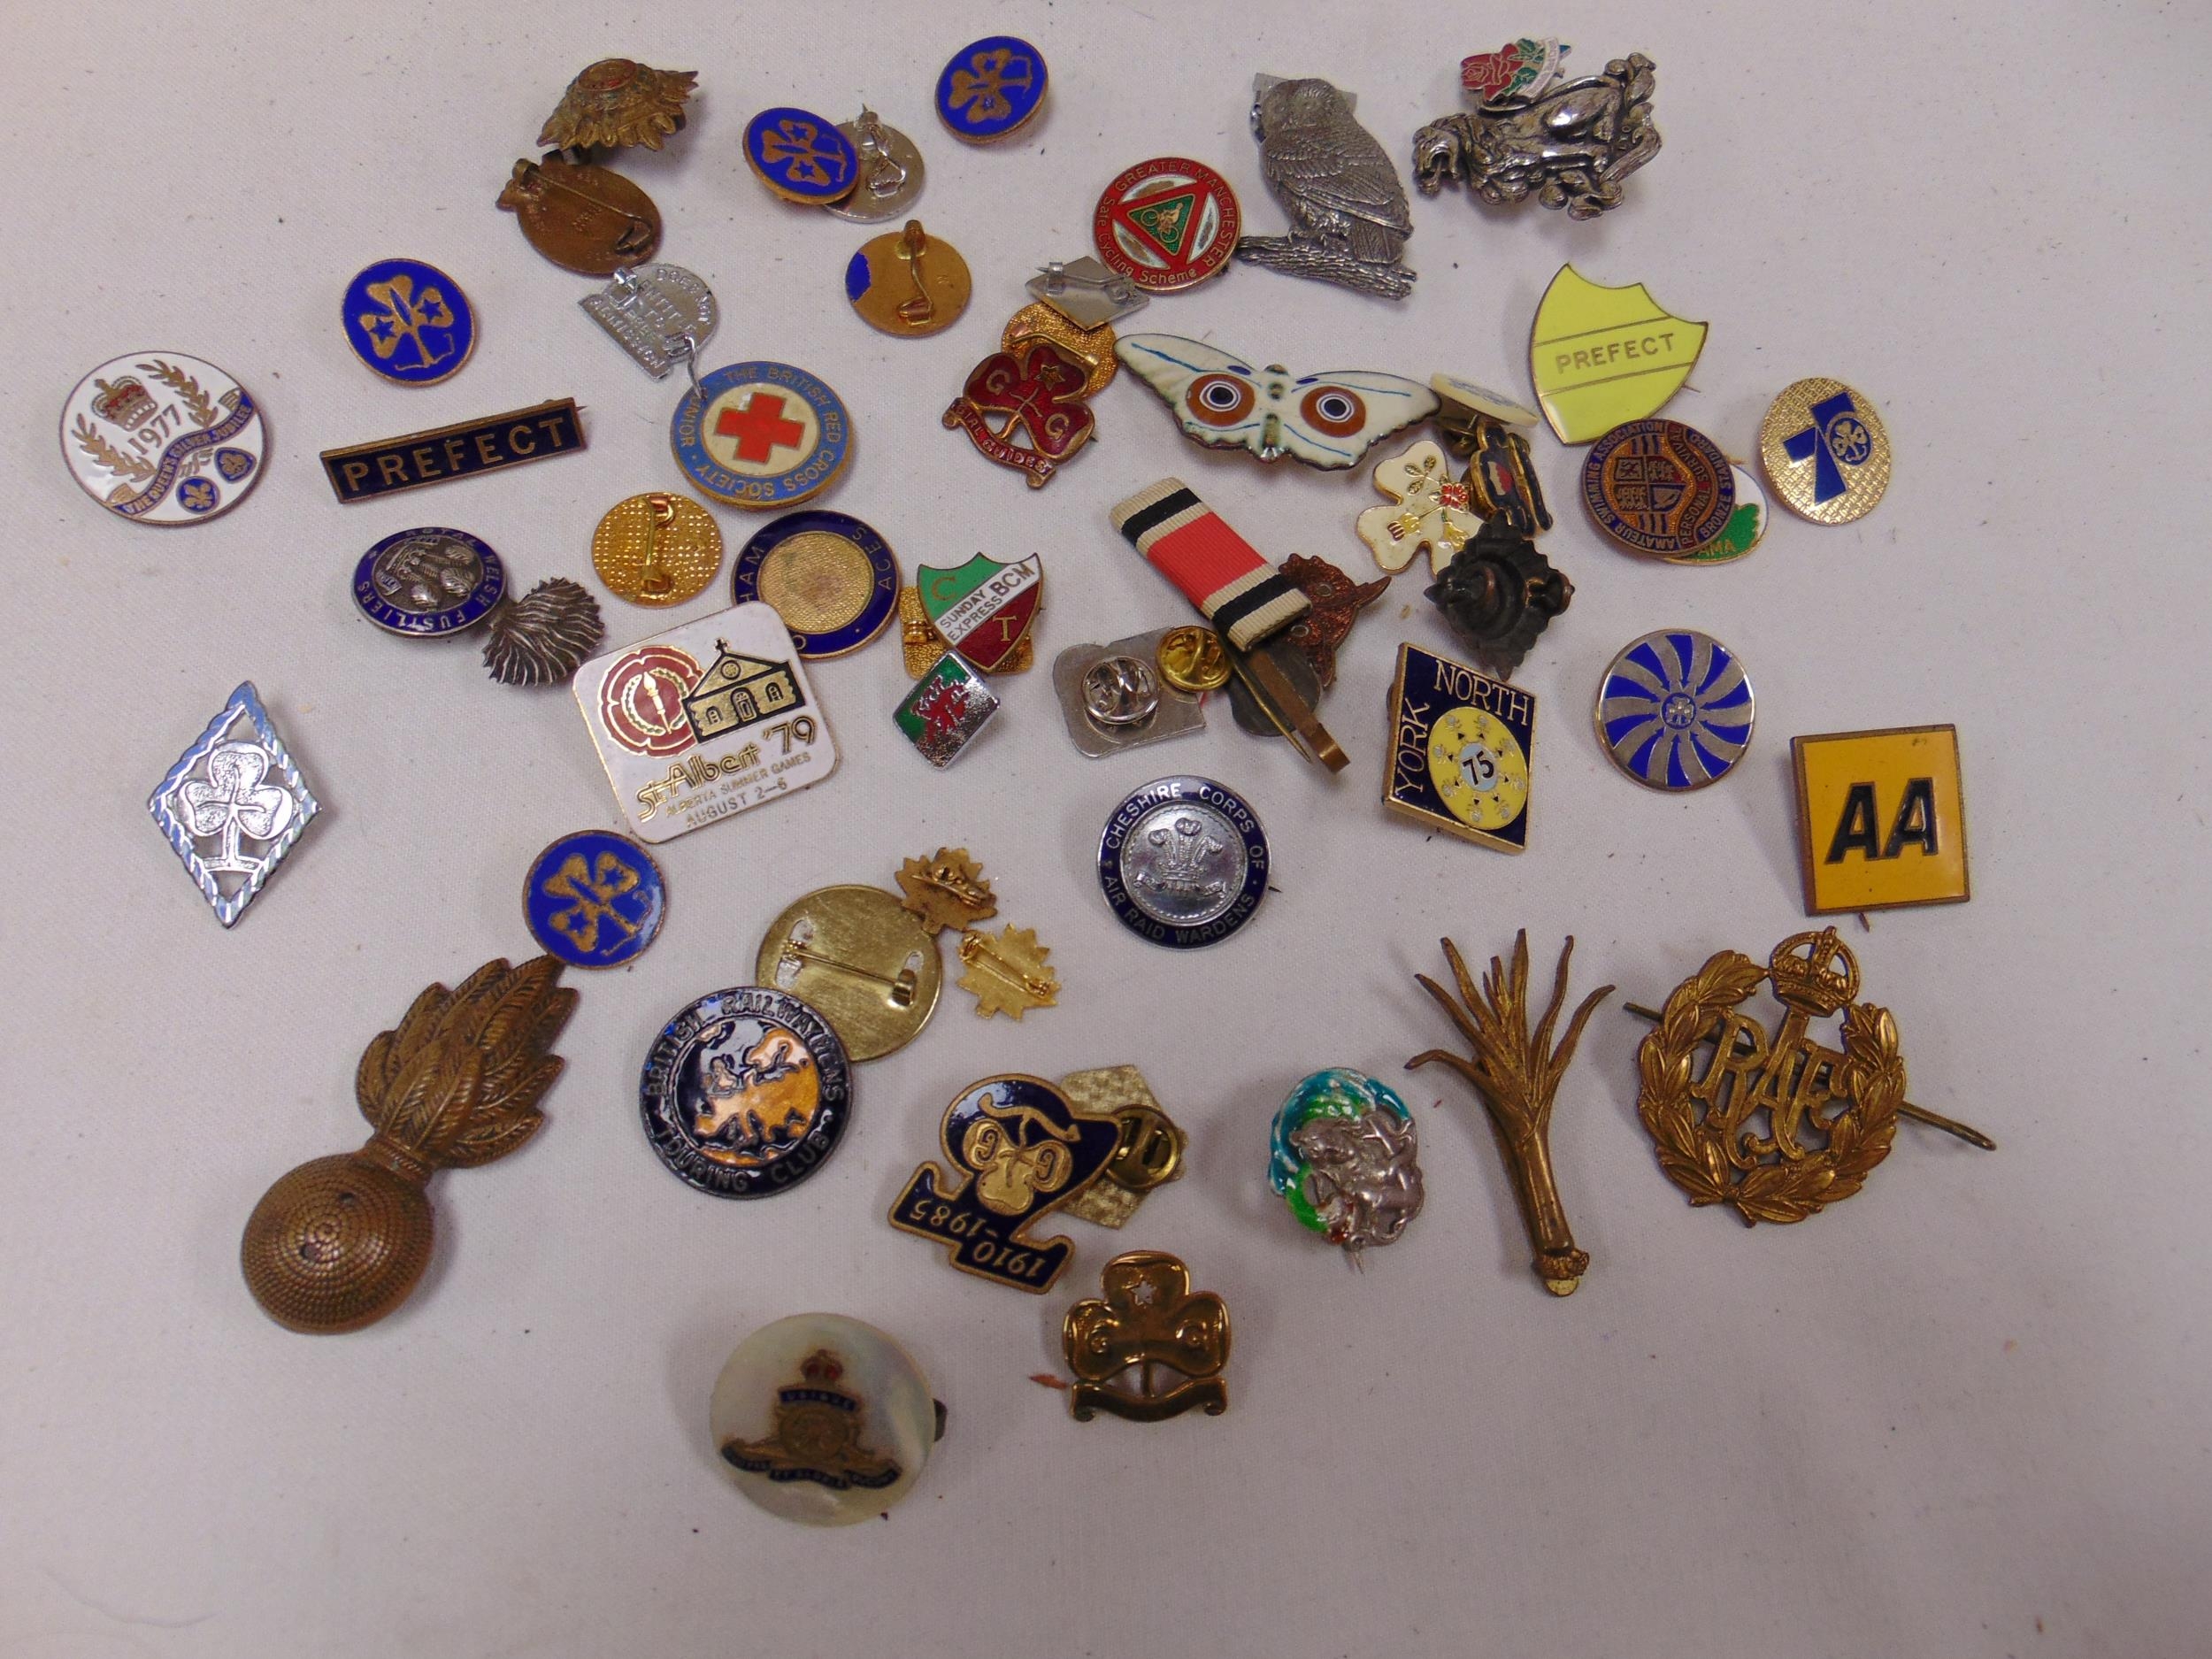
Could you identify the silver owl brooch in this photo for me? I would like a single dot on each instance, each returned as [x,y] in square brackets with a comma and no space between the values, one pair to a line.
[1348,216]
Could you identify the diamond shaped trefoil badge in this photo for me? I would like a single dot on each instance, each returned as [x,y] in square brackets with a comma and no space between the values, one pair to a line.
[234,804]
[947,708]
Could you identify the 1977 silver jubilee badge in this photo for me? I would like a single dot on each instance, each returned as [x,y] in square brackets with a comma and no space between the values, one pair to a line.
[160,438]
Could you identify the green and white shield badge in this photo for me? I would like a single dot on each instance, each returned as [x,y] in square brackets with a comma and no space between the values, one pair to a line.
[983,609]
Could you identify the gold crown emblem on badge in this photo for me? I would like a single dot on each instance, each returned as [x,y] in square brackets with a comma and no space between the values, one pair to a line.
[126,402]
[1804,979]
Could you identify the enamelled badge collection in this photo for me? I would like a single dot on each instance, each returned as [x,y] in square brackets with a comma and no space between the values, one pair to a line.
[703,702]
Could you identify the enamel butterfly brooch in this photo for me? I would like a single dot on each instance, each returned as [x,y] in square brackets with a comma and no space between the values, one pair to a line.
[1327,420]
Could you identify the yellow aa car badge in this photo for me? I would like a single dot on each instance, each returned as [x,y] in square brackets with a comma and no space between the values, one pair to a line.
[1881,819]
[1600,357]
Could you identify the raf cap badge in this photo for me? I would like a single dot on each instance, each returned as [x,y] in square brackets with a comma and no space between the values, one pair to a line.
[705,721]
[1183,863]
[595,899]
[234,805]
[582,218]
[409,322]
[1776,1127]
[1220,400]
[1675,710]
[619,102]
[830,576]
[745,1093]
[341,1242]
[1515,1073]
[366,470]
[992,88]
[761,435]
[1602,356]
[1019,1149]
[661,314]
[1035,388]
[1348,216]
[1825,452]
[1344,1156]
[178,454]
[1459,751]
[1149,1320]
[1881,819]
[1570,144]
[823,1420]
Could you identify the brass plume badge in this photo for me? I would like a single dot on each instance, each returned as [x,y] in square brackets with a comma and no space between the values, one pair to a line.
[1775,1128]
[1150,1320]
[1515,1073]
[340,1241]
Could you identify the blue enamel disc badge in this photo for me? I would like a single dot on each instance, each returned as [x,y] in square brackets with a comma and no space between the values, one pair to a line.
[1675,710]
[830,577]
[745,1093]
[991,88]
[409,321]
[428,581]
[762,435]
[595,899]
[801,156]
[1183,863]
[1019,1149]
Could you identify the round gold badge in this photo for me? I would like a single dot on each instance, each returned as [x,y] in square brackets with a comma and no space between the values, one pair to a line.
[907,281]
[1824,449]
[1093,348]
[658,549]
[858,956]
[1192,659]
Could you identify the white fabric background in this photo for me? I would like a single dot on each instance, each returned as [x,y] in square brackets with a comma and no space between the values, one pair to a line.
[1963,1414]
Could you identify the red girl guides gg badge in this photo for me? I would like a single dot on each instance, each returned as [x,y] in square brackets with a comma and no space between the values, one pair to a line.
[1166,224]
[1039,390]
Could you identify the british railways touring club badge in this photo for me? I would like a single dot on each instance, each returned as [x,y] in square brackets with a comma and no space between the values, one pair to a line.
[161,438]
[705,721]
[1460,748]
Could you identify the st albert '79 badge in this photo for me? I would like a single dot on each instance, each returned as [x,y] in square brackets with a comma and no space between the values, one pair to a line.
[762,435]
[595,899]
[428,581]
[704,721]
[409,322]
[983,609]
[1019,1149]
[161,438]
[745,1093]
[1460,748]
[1183,863]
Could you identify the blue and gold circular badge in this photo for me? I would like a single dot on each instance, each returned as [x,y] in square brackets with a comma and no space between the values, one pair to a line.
[762,435]
[595,899]
[746,1092]
[428,581]
[830,577]
[801,156]
[409,321]
[991,88]
[1675,710]
[1183,863]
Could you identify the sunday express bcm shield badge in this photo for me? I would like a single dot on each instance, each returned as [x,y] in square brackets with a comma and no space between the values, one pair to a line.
[983,609]
[705,721]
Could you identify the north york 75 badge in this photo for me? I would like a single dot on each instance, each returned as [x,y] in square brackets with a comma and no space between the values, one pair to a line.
[1460,748]
[705,721]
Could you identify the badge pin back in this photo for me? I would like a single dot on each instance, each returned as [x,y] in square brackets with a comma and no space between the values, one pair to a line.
[595,899]
[408,322]
[762,435]
[745,1093]
[908,282]
[1825,449]
[706,721]
[830,576]
[892,172]
[1086,292]
[1675,711]
[1167,224]
[160,438]
[1075,683]
[657,548]
[1183,862]
[428,582]
[992,88]
[582,218]
[660,314]
[801,156]
[860,958]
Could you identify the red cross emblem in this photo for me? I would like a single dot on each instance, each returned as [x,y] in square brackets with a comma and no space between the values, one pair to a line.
[761,427]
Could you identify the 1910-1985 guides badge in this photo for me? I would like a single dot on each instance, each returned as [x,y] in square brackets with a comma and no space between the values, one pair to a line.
[705,721]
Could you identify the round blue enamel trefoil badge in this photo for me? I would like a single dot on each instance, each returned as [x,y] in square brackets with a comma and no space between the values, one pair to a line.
[1183,862]
[409,322]
[991,88]
[595,899]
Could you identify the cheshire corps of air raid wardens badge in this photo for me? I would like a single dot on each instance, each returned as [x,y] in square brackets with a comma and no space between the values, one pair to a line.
[1019,1149]
[160,438]
[1881,819]
[1460,748]
[705,721]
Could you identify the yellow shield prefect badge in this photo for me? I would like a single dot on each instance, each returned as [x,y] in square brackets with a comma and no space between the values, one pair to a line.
[1600,357]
